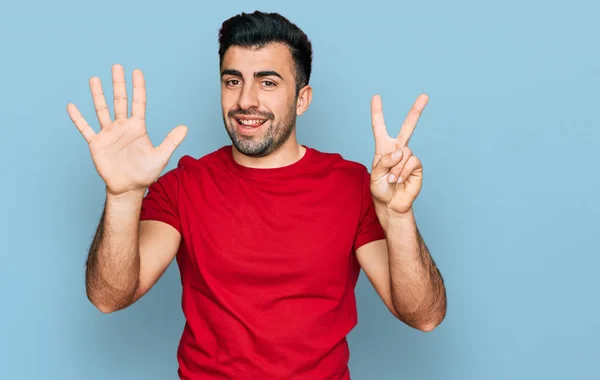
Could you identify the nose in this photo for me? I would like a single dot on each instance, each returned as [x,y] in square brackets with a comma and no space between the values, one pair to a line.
[248,97]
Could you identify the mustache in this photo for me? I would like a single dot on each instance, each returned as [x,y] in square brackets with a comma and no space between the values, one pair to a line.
[240,112]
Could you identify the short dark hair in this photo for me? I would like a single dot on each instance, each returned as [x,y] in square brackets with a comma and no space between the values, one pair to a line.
[258,29]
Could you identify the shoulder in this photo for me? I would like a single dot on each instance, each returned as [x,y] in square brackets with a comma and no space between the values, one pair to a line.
[189,165]
[337,163]
[216,157]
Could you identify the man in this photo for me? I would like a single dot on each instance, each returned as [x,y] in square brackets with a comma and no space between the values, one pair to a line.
[269,235]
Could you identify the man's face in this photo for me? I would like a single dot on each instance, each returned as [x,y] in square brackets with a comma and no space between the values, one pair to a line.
[258,97]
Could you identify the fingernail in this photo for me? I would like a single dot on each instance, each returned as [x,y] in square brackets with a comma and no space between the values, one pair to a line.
[397,154]
[391,178]
[399,180]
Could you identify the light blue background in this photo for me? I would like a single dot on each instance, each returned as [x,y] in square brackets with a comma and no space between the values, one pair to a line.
[509,143]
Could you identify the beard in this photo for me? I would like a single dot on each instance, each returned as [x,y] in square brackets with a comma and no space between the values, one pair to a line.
[279,131]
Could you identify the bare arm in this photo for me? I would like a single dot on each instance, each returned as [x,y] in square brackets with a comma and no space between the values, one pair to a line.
[400,267]
[127,257]
[404,274]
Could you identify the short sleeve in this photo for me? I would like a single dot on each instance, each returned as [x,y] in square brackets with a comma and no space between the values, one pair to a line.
[160,202]
[369,229]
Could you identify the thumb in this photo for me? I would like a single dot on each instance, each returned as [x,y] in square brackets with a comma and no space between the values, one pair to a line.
[386,162]
[172,141]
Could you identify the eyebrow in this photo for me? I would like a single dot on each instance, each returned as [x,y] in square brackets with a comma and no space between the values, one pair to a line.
[257,74]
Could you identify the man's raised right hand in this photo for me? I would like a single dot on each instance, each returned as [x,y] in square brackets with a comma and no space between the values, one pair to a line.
[122,152]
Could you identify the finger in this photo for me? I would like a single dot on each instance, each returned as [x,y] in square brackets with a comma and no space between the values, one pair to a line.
[395,172]
[410,122]
[412,165]
[100,102]
[138,104]
[119,92]
[86,131]
[386,162]
[172,141]
[377,121]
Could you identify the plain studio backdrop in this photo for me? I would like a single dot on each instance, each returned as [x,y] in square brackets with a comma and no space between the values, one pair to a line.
[509,143]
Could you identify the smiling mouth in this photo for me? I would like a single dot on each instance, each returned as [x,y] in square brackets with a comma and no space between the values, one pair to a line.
[251,123]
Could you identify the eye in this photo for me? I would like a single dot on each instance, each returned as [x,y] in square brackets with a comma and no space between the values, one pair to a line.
[232,82]
[269,84]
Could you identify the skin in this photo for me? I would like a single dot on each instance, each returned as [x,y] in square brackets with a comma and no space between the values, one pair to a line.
[127,256]
[401,267]
[260,84]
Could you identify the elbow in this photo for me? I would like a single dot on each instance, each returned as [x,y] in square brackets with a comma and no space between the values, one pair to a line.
[105,306]
[431,323]
[106,309]
[427,326]
[424,325]
[109,299]
[425,322]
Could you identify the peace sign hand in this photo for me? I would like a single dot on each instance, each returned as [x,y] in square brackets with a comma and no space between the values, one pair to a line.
[397,174]
[122,153]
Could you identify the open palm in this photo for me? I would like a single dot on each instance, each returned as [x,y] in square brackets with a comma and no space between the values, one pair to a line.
[122,152]
[397,174]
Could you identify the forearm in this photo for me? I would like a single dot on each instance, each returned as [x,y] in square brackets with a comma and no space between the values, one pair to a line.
[113,265]
[417,287]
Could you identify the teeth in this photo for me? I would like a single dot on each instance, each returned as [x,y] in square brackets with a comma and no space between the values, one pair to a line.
[250,122]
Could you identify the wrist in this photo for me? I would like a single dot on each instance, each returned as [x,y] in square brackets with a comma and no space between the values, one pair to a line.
[388,216]
[128,199]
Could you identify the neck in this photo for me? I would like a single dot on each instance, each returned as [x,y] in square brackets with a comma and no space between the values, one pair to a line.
[287,154]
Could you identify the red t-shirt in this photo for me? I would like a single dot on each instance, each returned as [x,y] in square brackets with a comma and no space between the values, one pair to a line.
[267,263]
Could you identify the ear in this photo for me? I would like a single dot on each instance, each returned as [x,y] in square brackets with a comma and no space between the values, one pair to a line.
[304,98]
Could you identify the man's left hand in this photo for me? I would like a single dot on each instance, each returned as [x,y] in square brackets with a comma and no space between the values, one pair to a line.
[397,174]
